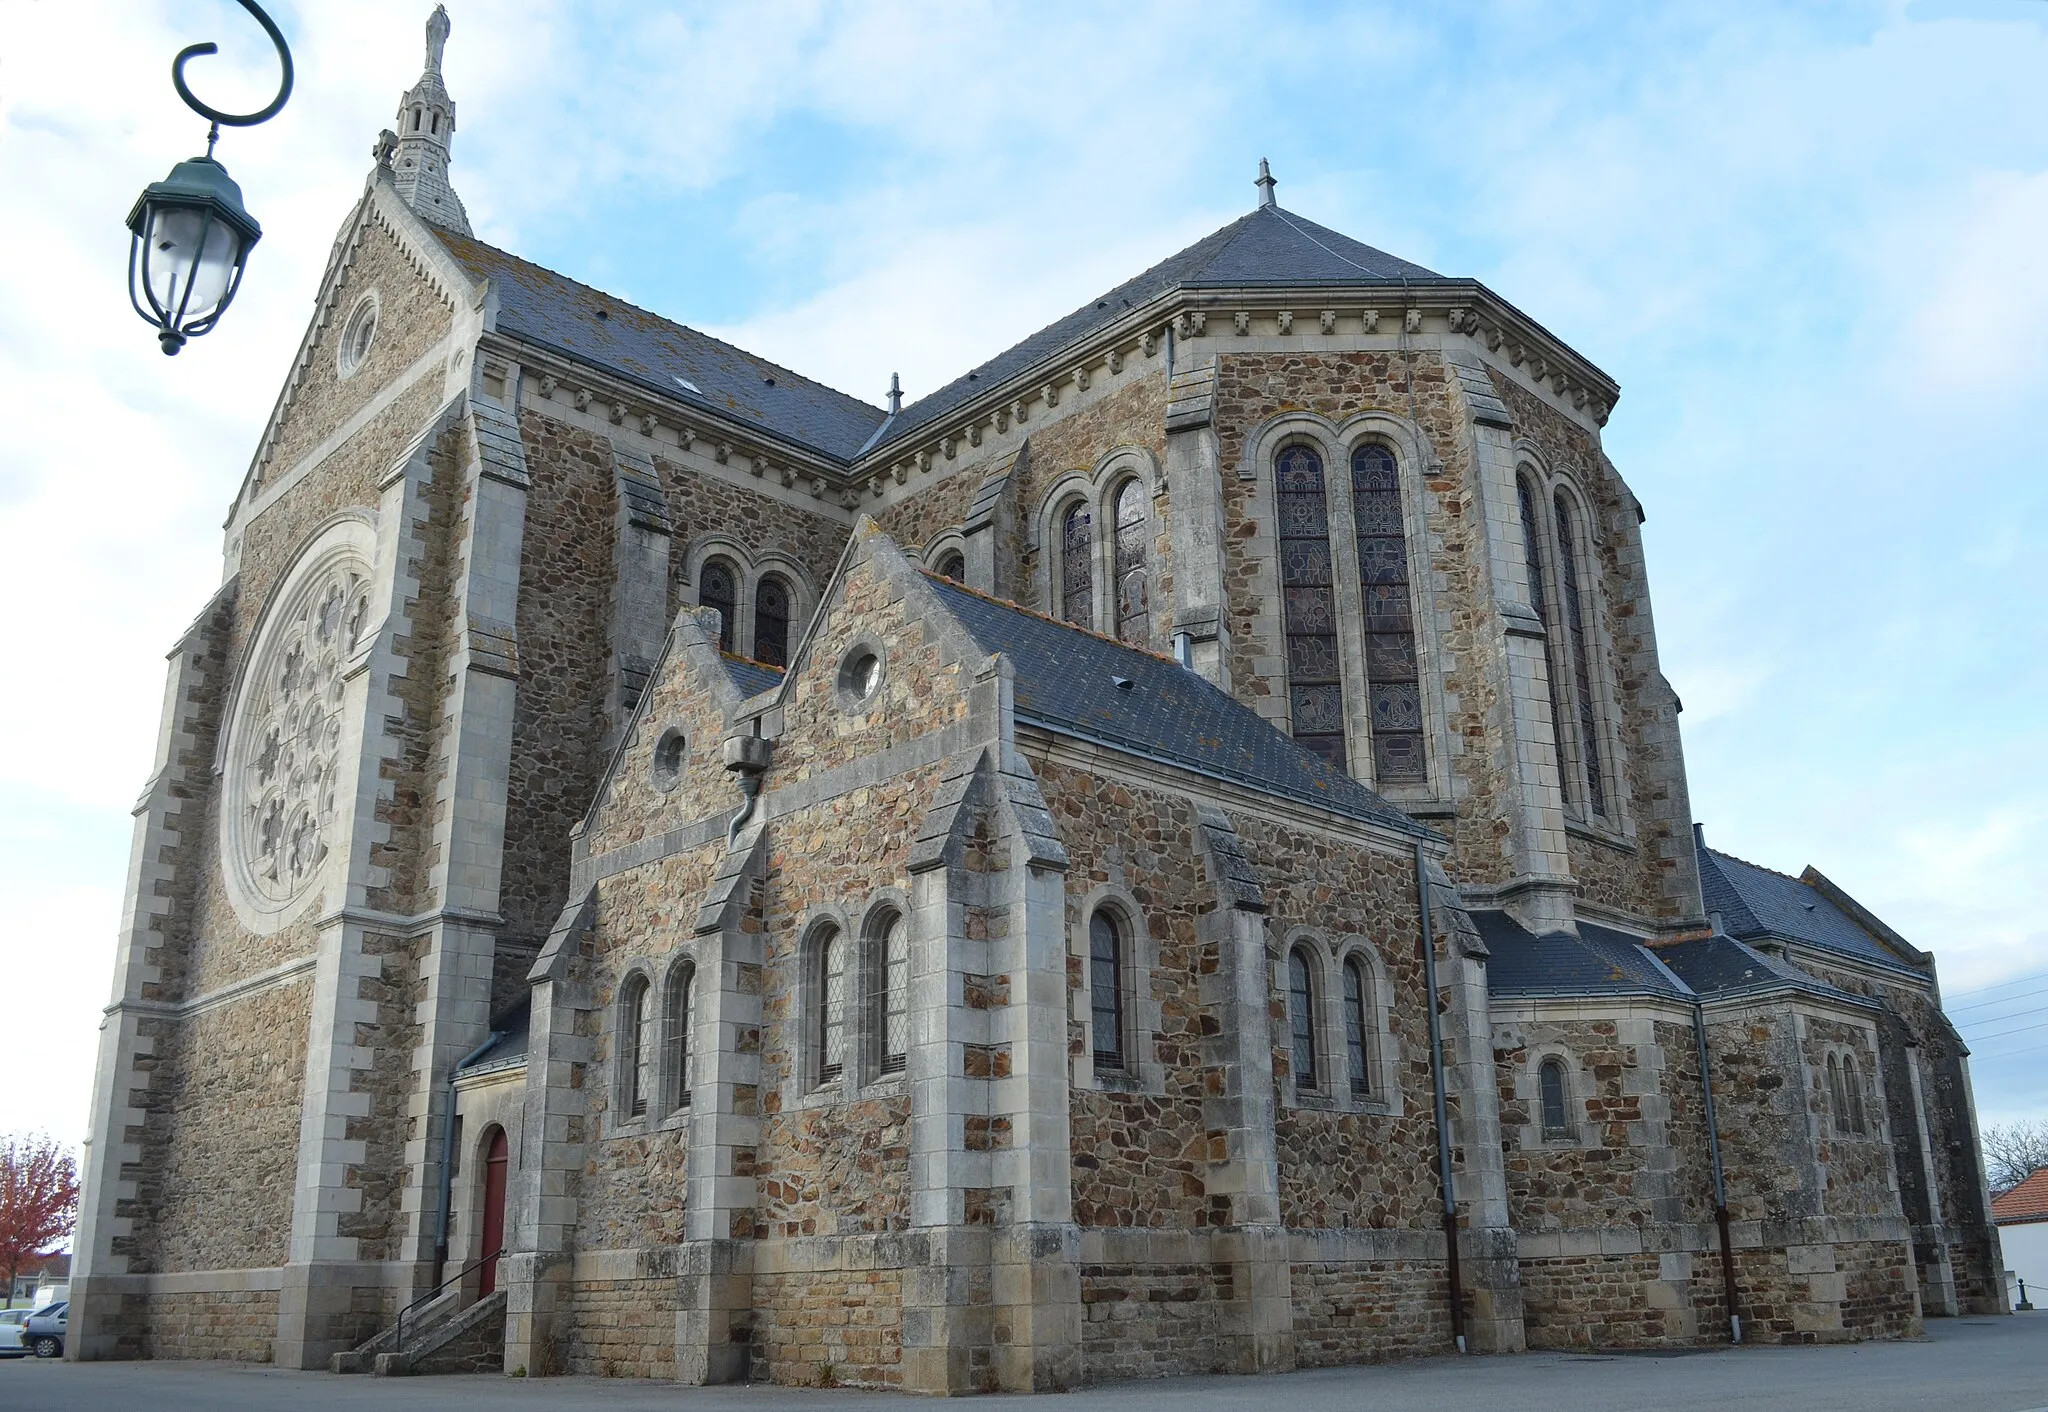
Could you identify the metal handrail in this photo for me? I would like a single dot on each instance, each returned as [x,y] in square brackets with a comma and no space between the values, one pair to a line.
[398,1332]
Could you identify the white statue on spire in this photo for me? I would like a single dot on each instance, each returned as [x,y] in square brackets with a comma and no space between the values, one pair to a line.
[437,37]
[426,135]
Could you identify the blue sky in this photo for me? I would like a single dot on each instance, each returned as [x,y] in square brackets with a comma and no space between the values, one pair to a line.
[1805,239]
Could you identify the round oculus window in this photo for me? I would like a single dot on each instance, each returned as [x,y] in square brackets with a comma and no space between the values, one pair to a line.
[860,676]
[358,334]
[668,759]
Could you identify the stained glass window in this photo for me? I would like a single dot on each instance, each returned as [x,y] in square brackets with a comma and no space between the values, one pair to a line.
[831,1036]
[771,622]
[895,994]
[1582,672]
[1539,599]
[1133,532]
[1077,566]
[1836,1100]
[1551,1083]
[1106,991]
[953,566]
[1393,684]
[716,588]
[1308,602]
[1357,1025]
[638,1059]
[678,1057]
[1301,1017]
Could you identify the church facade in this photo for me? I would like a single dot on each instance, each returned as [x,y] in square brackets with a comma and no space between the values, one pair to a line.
[1169,853]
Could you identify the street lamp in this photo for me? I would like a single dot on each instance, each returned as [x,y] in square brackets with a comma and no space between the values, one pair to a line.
[192,236]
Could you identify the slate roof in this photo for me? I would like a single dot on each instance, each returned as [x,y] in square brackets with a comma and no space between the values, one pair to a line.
[1268,247]
[553,311]
[1066,681]
[510,1050]
[751,677]
[1756,902]
[2025,1203]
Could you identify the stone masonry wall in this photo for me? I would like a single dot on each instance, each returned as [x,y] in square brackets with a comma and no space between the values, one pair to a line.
[1151,1321]
[635,807]
[238,1325]
[1375,1310]
[1600,1301]
[699,505]
[623,1328]
[1858,1165]
[829,1328]
[1567,1185]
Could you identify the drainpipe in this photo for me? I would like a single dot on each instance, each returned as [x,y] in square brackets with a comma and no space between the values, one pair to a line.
[1436,1076]
[448,1152]
[1699,1034]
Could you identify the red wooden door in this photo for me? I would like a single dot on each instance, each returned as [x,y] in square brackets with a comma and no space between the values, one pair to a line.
[495,1162]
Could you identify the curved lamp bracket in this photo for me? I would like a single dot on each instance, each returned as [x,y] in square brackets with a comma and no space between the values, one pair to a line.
[284,88]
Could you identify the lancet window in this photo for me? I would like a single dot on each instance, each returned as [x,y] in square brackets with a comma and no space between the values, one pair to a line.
[1551,1094]
[1392,681]
[1133,533]
[676,1059]
[1077,565]
[1582,673]
[892,994]
[1301,1016]
[771,622]
[636,1049]
[718,588]
[829,1001]
[1315,690]
[1357,1026]
[1106,990]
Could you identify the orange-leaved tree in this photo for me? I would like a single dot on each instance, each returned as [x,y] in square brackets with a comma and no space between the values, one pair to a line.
[38,1200]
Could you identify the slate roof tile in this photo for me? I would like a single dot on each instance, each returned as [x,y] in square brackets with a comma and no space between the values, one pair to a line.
[1756,902]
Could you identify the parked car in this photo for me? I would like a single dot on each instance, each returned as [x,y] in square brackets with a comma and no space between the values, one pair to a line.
[13,1343]
[44,1332]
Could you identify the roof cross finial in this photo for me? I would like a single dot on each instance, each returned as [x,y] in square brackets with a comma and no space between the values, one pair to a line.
[1265,184]
[895,394]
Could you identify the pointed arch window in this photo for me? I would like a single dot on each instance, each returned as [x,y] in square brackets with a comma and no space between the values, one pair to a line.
[1308,601]
[1551,1094]
[829,1018]
[1133,533]
[718,588]
[1852,1085]
[891,1004]
[1582,673]
[1539,600]
[1357,1026]
[1301,1016]
[1077,565]
[1106,990]
[676,1059]
[1392,681]
[771,622]
[636,1048]
[953,566]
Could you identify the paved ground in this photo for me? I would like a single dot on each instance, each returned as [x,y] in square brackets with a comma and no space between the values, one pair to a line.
[1966,1365]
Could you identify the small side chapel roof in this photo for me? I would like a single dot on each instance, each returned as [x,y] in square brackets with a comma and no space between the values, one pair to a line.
[751,677]
[1067,681]
[1755,902]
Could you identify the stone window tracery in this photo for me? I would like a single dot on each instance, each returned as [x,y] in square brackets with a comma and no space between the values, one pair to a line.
[771,622]
[1315,690]
[1301,1016]
[1106,990]
[1133,536]
[718,587]
[1582,675]
[1393,684]
[287,743]
[1077,566]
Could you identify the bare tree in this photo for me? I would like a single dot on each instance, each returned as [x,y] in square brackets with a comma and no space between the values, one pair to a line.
[2013,1153]
[38,1200]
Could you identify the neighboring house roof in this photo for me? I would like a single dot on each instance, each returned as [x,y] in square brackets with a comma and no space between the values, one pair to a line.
[553,311]
[2025,1203]
[1755,902]
[1268,247]
[751,677]
[1067,682]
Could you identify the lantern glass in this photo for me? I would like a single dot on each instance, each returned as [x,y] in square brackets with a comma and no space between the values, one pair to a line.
[191,262]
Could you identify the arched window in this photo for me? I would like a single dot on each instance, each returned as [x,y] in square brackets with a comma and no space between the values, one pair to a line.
[1315,689]
[1301,1017]
[829,1019]
[1550,1090]
[1106,990]
[1077,566]
[953,566]
[676,1060]
[636,1048]
[1394,685]
[1357,1026]
[771,622]
[1852,1080]
[1836,1099]
[717,587]
[891,995]
[1133,530]
[1582,671]
[1539,599]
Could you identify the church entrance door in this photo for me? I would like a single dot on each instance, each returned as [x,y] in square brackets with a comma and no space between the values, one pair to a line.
[495,1161]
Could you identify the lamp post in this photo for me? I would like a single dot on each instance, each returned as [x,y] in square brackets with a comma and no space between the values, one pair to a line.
[191,233]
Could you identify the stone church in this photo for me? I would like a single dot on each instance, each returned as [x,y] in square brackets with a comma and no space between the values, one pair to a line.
[1168,853]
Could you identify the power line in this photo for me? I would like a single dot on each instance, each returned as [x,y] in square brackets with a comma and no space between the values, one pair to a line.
[2001,1019]
[2001,985]
[1983,1038]
[2010,1053]
[2003,999]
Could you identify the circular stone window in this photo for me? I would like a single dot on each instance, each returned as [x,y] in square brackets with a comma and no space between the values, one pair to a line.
[358,334]
[279,815]
[668,759]
[860,677]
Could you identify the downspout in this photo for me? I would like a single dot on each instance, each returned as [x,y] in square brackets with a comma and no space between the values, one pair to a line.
[1436,1076]
[1699,1034]
[448,1152]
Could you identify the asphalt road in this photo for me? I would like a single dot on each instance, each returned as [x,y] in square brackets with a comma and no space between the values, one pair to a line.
[1964,1365]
